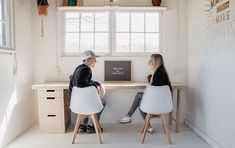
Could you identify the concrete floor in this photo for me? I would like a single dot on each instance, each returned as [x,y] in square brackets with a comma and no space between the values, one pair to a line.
[114,136]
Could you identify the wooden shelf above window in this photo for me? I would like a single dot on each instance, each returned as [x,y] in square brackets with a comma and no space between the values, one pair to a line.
[73,8]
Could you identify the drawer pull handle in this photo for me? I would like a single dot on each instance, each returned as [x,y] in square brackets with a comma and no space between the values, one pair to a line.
[51,115]
[50,90]
[50,98]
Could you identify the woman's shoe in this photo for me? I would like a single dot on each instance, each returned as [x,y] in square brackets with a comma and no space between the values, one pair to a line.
[150,129]
[124,120]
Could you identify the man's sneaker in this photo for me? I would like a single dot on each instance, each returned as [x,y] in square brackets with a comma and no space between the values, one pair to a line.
[90,129]
[124,120]
[82,128]
[150,129]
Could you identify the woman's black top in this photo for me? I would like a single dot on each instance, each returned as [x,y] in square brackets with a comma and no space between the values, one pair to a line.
[161,78]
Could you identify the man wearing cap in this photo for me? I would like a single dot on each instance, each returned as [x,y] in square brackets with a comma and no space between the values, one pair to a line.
[82,78]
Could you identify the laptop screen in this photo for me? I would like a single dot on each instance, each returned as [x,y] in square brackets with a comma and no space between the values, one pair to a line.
[117,71]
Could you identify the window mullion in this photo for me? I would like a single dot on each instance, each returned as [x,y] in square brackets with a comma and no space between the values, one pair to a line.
[79,35]
[113,32]
[94,31]
[144,32]
[130,32]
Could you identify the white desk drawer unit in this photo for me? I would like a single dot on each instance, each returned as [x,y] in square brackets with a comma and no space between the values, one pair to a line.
[50,92]
[54,112]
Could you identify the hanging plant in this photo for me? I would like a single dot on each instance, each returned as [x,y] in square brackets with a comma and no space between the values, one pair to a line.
[42,11]
[42,7]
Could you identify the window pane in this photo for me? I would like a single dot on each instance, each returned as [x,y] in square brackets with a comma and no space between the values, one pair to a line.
[137,22]
[1,13]
[2,10]
[101,42]
[123,21]
[137,42]
[152,42]
[87,41]
[101,21]
[152,22]
[72,22]
[87,22]
[1,35]
[122,42]
[72,43]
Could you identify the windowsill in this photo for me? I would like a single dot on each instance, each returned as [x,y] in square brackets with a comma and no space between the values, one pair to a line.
[117,55]
[4,50]
[153,8]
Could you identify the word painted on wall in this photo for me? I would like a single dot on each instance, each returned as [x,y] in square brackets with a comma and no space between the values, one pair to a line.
[220,18]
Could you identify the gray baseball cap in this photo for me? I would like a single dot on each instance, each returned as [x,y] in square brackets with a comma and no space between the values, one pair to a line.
[88,54]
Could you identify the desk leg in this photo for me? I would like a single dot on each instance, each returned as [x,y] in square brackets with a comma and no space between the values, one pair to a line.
[177,111]
[171,113]
[170,118]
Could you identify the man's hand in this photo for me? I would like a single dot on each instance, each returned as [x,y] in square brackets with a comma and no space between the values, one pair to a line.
[102,89]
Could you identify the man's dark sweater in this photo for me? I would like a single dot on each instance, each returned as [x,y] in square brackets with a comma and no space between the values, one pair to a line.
[82,78]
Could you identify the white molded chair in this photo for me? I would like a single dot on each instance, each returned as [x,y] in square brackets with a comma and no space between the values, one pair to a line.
[86,103]
[156,102]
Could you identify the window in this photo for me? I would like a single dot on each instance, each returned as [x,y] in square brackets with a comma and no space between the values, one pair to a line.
[86,30]
[111,32]
[137,32]
[6,26]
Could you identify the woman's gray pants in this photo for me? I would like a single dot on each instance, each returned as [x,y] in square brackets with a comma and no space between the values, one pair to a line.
[136,104]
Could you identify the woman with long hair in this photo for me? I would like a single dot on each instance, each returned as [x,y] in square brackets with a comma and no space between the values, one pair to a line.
[159,77]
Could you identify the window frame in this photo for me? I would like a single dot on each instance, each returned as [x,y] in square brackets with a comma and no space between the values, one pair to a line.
[63,31]
[114,53]
[9,26]
[112,31]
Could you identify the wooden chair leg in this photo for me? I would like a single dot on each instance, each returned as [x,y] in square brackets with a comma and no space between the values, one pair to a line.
[145,121]
[145,128]
[98,124]
[164,126]
[78,122]
[96,128]
[167,130]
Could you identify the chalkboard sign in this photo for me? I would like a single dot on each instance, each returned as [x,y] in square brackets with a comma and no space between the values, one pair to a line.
[117,71]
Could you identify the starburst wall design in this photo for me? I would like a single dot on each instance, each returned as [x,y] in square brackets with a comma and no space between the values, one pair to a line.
[220,19]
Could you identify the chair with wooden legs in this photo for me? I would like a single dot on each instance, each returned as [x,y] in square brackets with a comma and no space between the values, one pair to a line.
[156,102]
[86,103]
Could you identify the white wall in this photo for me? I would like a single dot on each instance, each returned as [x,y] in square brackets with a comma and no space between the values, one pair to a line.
[174,52]
[16,107]
[211,78]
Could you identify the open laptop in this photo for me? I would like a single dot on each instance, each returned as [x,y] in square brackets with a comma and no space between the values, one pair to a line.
[117,71]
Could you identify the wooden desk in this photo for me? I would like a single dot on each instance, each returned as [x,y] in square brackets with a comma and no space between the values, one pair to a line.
[55,91]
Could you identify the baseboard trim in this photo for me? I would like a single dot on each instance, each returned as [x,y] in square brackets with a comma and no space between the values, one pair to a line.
[202,134]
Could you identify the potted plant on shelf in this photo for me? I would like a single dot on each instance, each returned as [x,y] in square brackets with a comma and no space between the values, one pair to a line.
[73,2]
[156,2]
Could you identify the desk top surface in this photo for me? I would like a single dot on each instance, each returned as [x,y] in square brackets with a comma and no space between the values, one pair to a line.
[107,85]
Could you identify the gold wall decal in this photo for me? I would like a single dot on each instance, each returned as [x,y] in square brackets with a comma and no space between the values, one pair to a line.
[220,20]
